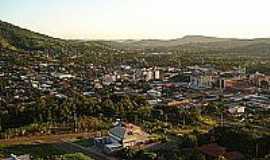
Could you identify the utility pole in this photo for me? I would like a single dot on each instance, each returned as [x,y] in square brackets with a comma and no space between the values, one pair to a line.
[222,119]
[75,125]
[166,118]
[136,119]
[184,118]
[257,149]
[0,124]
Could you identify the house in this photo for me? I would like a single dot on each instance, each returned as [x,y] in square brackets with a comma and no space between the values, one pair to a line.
[154,93]
[62,75]
[179,103]
[109,79]
[238,85]
[128,134]
[237,110]
[22,157]
[234,155]
[154,101]
[122,135]
[213,151]
[98,85]
[260,80]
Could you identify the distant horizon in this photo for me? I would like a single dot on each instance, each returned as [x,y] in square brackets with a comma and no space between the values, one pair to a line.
[126,39]
[140,19]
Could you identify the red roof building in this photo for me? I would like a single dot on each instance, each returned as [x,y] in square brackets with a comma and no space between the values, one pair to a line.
[213,151]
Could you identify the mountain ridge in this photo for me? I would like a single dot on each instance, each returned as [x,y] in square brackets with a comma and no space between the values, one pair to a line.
[16,38]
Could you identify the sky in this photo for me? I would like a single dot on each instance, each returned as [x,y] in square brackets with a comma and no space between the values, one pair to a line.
[140,19]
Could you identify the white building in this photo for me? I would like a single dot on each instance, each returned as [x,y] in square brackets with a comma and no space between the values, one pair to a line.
[237,110]
[149,76]
[109,79]
[22,157]
[154,93]
[201,81]
[62,75]
[157,74]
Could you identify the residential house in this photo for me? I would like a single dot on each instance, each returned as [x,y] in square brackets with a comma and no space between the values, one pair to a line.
[22,157]
[122,135]
[214,151]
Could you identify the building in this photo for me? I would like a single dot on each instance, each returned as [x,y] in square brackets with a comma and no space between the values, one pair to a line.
[122,135]
[214,151]
[236,85]
[22,157]
[149,75]
[237,110]
[128,134]
[109,79]
[154,93]
[260,80]
[201,81]
[62,75]
[157,74]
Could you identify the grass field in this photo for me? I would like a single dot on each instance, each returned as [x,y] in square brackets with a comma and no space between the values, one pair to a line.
[85,142]
[42,146]
[37,151]
[44,139]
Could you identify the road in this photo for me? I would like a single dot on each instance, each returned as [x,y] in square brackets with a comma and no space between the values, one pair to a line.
[243,124]
[89,151]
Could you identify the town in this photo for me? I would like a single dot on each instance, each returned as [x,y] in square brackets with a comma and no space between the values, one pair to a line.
[134,80]
[167,102]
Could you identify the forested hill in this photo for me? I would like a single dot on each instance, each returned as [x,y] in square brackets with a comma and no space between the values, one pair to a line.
[261,45]
[16,38]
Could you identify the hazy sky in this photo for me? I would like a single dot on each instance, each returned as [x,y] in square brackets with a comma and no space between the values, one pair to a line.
[137,19]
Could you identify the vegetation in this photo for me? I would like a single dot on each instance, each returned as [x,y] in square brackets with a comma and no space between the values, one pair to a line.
[46,114]
[190,50]
[37,151]
[75,156]
[246,140]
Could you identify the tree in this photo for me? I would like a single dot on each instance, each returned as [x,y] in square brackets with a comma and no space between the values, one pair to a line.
[196,155]
[221,158]
[76,156]
[190,141]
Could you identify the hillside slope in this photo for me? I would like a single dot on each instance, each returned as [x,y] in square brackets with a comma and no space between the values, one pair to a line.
[16,38]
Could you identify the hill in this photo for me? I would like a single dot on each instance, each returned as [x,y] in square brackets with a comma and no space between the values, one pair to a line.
[198,43]
[19,39]
[16,38]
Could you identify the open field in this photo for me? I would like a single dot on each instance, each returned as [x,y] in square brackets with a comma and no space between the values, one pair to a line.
[49,145]
[46,139]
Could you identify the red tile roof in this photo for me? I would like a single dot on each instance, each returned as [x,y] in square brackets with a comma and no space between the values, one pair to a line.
[234,155]
[212,150]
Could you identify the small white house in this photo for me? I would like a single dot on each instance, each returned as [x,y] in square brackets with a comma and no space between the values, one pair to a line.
[237,110]
[154,93]
[22,157]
